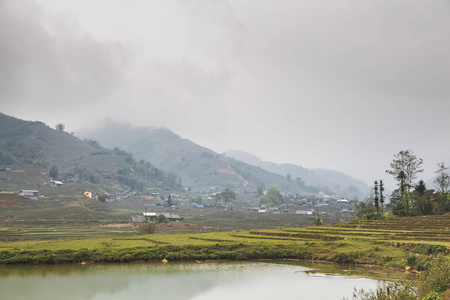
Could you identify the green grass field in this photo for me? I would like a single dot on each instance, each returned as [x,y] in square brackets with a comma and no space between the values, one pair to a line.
[398,243]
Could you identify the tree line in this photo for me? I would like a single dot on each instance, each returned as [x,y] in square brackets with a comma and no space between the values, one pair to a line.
[411,197]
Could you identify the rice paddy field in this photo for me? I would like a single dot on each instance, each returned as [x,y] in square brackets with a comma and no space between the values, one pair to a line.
[410,243]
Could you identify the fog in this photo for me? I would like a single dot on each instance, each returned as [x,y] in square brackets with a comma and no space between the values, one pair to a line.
[342,85]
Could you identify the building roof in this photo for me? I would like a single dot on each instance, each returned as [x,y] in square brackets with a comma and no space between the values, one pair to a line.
[149,214]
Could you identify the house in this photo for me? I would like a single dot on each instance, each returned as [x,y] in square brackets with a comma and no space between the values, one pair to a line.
[150,216]
[138,218]
[175,218]
[31,194]
[56,183]
[343,201]
[304,212]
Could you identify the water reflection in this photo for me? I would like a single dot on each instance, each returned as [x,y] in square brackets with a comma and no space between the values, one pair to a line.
[214,280]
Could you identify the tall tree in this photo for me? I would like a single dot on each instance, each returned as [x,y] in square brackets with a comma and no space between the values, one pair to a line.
[422,196]
[381,197]
[376,199]
[272,197]
[227,195]
[53,172]
[442,182]
[169,201]
[405,167]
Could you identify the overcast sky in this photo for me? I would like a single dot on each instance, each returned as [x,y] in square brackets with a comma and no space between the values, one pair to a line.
[342,85]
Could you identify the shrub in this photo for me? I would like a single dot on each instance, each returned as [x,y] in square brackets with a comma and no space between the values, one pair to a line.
[411,260]
[343,257]
[437,278]
[226,255]
[253,254]
[80,256]
[147,228]
[432,296]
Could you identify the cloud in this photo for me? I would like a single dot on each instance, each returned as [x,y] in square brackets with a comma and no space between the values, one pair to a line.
[343,85]
[47,66]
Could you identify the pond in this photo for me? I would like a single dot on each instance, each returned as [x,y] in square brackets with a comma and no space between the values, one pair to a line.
[193,281]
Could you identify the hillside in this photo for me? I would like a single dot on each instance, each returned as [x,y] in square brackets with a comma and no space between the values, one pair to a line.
[338,182]
[29,151]
[200,168]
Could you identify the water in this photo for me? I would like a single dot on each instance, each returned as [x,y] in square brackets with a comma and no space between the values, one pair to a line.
[193,281]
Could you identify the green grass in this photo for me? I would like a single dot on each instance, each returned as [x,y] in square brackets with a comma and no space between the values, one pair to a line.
[312,243]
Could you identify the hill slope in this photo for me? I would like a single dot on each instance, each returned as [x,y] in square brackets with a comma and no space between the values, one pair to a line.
[29,150]
[337,181]
[199,167]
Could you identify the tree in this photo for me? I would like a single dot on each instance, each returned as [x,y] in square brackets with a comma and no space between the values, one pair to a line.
[259,191]
[405,168]
[227,195]
[169,201]
[365,209]
[381,197]
[53,172]
[147,228]
[272,197]
[300,182]
[422,196]
[60,127]
[317,220]
[442,182]
[162,219]
[376,201]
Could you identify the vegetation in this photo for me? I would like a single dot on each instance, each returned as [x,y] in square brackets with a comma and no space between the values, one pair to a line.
[35,153]
[432,284]
[272,197]
[227,195]
[414,243]
[405,168]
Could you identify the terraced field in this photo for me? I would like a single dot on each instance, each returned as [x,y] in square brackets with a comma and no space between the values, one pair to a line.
[420,230]
[398,243]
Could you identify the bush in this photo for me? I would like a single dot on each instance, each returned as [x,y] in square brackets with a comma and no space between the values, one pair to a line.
[432,296]
[437,278]
[431,285]
[147,228]
[80,256]
[253,254]
[226,255]
[343,257]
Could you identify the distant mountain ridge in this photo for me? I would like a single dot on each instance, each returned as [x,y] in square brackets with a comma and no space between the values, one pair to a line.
[314,177]
[199,167]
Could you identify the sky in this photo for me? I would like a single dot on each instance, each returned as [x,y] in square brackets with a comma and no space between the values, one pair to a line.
[342,85]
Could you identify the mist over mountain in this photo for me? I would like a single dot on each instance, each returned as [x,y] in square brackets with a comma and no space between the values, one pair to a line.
[202,168]
[333,179]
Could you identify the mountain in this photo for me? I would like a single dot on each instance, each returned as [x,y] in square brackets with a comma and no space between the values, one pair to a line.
[31,151]
[338,182]
[199,167]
